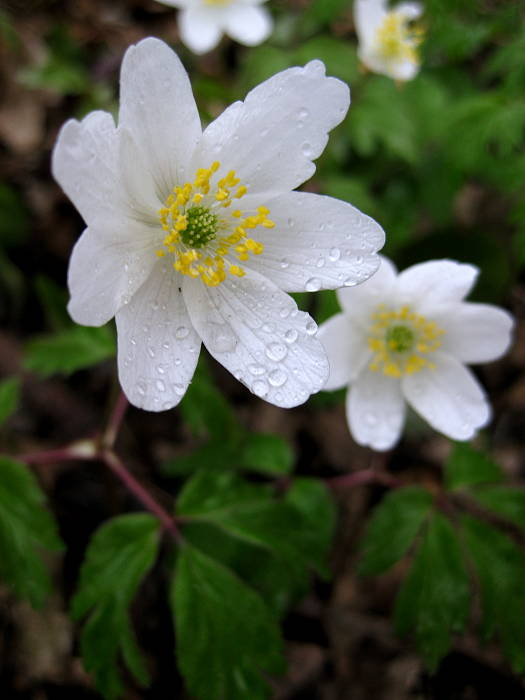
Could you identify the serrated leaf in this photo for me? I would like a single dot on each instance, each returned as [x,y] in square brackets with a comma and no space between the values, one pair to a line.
[26,528]
[469,467]
[267,454]
[393,528]
[253,514]
[118,557]
[70,350]
[434,599]
[508,501]
[500,570]
[9,397]
[226,636]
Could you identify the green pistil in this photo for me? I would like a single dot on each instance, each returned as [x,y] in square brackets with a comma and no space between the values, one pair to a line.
[399,338]
[201,227]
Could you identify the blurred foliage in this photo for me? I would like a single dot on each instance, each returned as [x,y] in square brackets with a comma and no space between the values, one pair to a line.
[440,163]
[466,545]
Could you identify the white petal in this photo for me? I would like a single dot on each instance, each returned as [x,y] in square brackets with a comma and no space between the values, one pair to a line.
[361,300]
[317,243]
[475,332]
[248,24]
[199,29]
[271,138]
[255,330]
[158,108]
[84,163]
[435,283]
[158,348]
[347,350]
[368,16]
[137,182]
[375,410]
[448,397]
[104,273]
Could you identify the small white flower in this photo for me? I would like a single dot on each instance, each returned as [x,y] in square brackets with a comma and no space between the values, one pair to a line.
[405,338]
[203,22]
[194,235]
[388,42]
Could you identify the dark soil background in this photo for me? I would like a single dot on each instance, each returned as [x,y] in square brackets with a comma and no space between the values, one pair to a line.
[340,641]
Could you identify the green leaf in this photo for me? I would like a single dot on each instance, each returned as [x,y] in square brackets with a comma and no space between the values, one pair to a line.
[14,221]
[216,454]
[267,454]
[53,299]
[252,513]
[507,501]
[118,557]
[434,599]
[500,570]
[466,466]
[70,350]
[26,529]
[393,528]
[226,636]
[9,397]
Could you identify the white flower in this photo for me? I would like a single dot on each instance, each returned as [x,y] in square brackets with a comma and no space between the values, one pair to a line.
[194,236]
[388,43]
[405,338]
[203,22]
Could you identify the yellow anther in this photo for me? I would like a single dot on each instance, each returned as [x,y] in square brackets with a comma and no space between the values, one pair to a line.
[241,191]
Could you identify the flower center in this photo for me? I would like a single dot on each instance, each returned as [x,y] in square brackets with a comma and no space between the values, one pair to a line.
[401,341]
[397,39]
[203,230]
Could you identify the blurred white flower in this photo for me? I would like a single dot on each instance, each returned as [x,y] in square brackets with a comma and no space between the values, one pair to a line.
[388,41]
[203,22]
[198,236]
[406,338]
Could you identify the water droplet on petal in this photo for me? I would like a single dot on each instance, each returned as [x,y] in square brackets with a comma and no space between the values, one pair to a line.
[161,386]
[303,113]
[285,263]
[334,254]
[313,284]
[350,282]
[291,335]
[306,148]
[311,327]
[276,351]
[151,351]
[257,370]
[277,377]
[141,388]
[179,389]
[182,332]
[260,388]
[221,338]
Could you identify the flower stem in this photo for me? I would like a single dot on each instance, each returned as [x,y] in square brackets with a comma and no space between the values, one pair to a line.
[115,421]
[141,494]
[364,476]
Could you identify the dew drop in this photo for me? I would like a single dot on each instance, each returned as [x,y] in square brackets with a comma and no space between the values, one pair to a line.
[161,386]
[285,263]
[276,351]
[306,148]
[179,389]
[257,370]
[133,341]
[303,113]
[334,254]
[141,388]
[313,284]
[260,388]
[291,335]
[311,327]
[277,377]
[350,282]
[161,369]
[221,338]
[182,332]
[268,328]
[166,345]
[151,351]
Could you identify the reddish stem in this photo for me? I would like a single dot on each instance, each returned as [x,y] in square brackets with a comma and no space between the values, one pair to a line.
[140,493]
[115,421]
[364,476]
[84,449]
